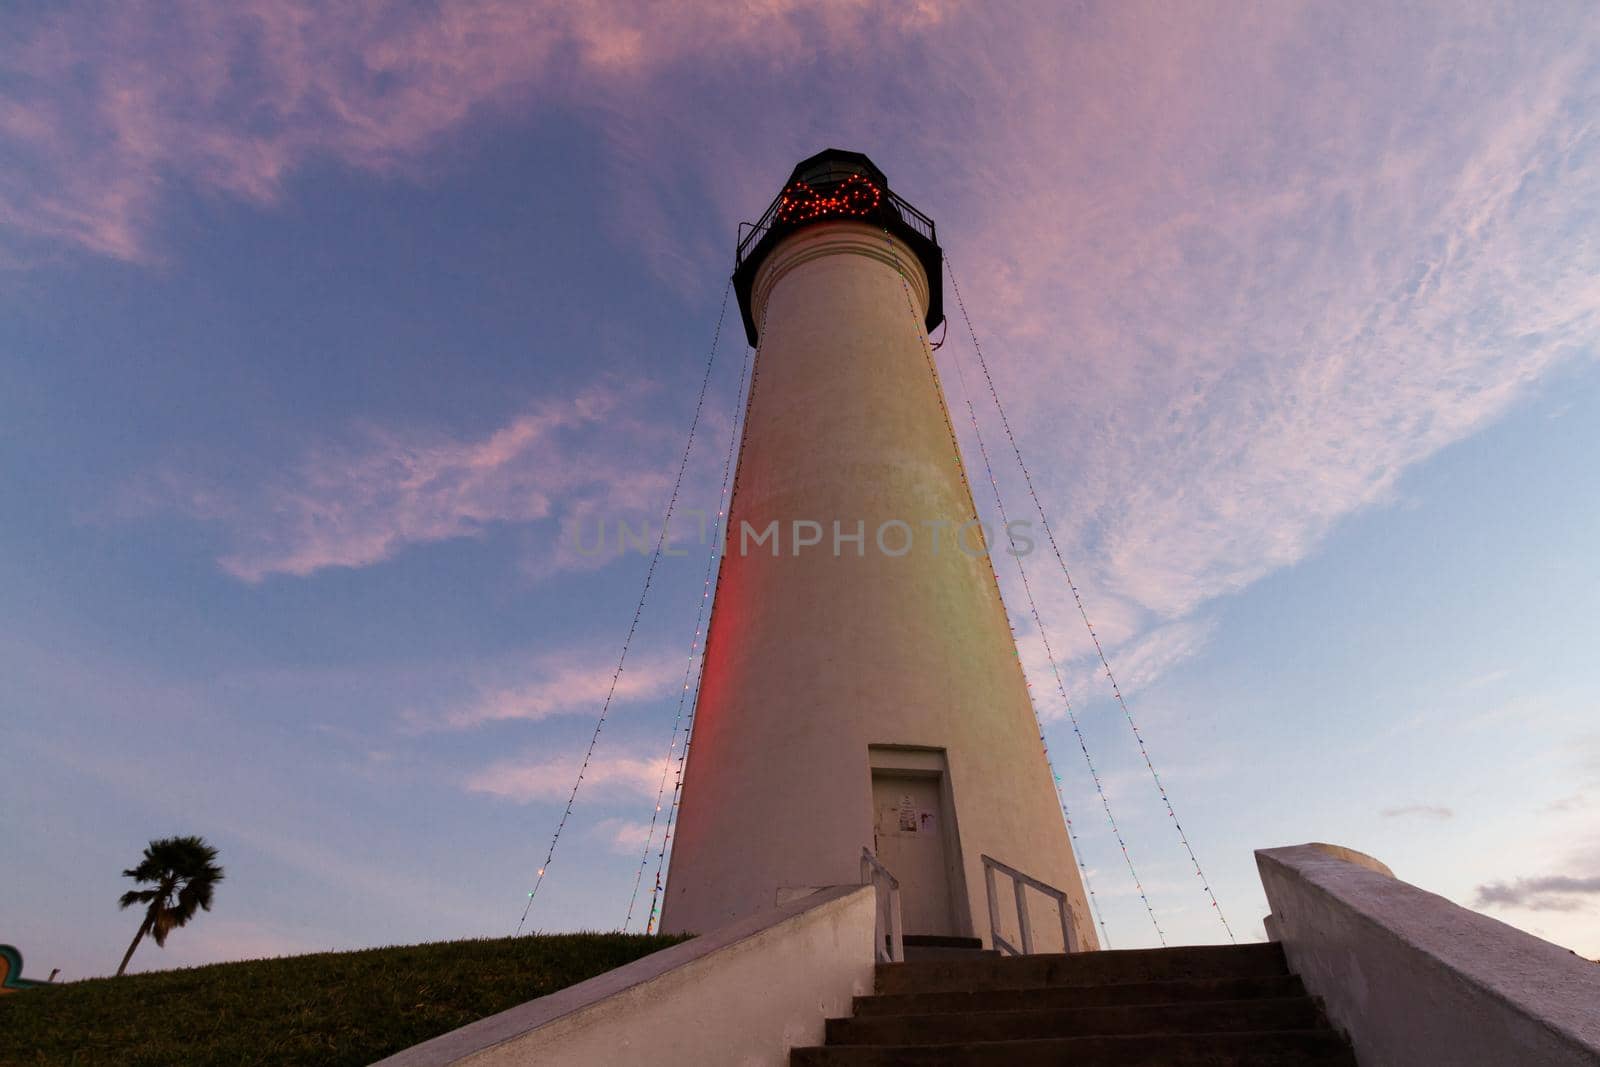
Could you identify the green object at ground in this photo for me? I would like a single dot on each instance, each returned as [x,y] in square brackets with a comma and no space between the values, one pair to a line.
[324,1009]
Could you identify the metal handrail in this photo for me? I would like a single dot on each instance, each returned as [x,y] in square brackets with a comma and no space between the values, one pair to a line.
[1019,881]
[887,937]
[897,218]
[750,233]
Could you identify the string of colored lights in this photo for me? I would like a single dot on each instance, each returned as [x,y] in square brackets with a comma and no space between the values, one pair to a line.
[694,646]
[1066,814]
[666,768]
[644,593]
[1082,611]
[730,462]
[1061,688]
[853,197]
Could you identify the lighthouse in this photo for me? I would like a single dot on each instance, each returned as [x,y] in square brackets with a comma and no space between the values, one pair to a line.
[861,687]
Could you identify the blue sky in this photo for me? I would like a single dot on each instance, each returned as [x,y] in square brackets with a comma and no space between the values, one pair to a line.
[317,332]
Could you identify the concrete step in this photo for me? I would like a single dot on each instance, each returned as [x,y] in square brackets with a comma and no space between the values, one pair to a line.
[917,953]
[1083,968]
[940,941]
[1288,1013]
[943,947]
[1180,991]
[1281,1048]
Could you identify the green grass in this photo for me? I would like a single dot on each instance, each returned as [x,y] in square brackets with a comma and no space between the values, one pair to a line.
[328,1008]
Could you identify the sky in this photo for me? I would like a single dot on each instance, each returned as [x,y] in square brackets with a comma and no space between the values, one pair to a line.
[322,332]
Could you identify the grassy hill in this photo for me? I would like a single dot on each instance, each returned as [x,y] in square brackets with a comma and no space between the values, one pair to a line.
[327,1008]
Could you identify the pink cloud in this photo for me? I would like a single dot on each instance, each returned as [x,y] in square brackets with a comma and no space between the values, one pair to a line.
[108,108]
[359,502]
[550,778]
[626,837]
[1139,662]
[562,684]
[1228,310]
[1236,276]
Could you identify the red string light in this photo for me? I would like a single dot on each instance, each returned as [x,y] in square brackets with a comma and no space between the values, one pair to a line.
[685,698]
[725,518]
[1055,669]
[638,611]
[854,197]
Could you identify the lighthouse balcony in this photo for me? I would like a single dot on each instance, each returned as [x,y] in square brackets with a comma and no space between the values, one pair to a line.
[833,186]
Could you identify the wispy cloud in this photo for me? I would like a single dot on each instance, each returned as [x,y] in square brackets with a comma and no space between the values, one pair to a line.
[1259,338]
[1556,892]
[1230,308]
[106,111]
[361,501]
[1427,811]
[561,683]
[626,837]
[1138,662]
[550,778]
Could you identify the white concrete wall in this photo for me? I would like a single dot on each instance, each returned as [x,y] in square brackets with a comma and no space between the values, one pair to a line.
[743,995]
[812,659]
[1415,979]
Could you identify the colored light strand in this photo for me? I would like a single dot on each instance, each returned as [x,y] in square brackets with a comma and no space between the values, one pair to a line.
[694,647]
[742,432]
[1066,702]
[644,593]
[851,198]
[1094,910]
[1082,611]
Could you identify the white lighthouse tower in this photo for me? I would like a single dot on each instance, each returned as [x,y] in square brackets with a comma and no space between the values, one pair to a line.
[861,687]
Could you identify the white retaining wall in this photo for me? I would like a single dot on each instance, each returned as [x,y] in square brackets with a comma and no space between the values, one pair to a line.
[1413,978]
[744,994]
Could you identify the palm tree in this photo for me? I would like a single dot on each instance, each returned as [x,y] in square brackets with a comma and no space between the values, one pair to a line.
[183,872]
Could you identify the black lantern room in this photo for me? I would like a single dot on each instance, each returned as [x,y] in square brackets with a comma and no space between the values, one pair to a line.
[830,186]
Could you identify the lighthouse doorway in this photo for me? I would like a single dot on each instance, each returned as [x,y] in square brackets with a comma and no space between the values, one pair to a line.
[913,836]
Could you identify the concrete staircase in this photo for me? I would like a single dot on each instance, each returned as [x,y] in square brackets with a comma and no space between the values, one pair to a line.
[1212,1005]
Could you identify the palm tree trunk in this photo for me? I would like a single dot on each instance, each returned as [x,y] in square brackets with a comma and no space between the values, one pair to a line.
[144,928]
